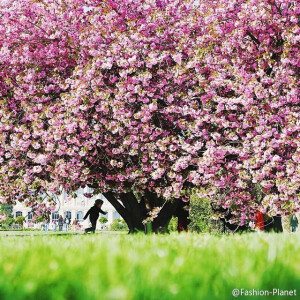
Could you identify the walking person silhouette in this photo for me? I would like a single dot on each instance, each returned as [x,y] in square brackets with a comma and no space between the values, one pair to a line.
[94,212]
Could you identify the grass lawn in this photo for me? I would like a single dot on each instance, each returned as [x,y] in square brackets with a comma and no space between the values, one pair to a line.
[114,266]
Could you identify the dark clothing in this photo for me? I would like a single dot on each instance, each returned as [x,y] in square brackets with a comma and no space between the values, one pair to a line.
[294,223]
[94,212]
[93,228]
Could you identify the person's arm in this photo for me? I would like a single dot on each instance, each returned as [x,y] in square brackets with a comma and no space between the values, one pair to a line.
[103,212]
[87,214]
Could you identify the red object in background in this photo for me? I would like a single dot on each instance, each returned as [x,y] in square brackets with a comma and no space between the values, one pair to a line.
[260,220]
[182,224]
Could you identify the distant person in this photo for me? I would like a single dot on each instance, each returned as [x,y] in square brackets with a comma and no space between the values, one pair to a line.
[67,222]
[259,220]
[294,223]
[46,224]
[75,224]
[54,225]
[94,212]
[60,223]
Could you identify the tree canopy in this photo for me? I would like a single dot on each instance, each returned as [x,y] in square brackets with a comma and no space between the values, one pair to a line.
[152,97]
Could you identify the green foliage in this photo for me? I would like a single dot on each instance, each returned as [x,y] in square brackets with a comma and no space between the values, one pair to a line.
[39,219]
[118,225]
[7,223]
[6,209]
[103,220]
[201,216]
[20,220]
[116,266]
[173,224]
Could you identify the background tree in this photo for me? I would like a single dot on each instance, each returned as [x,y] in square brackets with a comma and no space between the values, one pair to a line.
[20,220]
[6,209]
[103,221]
[6,216]
[7,222]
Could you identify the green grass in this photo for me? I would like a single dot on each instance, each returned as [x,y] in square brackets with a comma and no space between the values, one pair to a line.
[186,266]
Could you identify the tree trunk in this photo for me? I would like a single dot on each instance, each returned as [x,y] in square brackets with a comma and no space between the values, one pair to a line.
[132,206]
[161,222]
[130,210]
[275,224]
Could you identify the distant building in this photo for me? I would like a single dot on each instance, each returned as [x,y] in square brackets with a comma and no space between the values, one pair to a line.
[74,208]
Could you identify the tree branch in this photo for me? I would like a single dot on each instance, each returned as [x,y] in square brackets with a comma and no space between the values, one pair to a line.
[253,38]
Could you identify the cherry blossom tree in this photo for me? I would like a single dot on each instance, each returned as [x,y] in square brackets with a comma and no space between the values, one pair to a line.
[150,101]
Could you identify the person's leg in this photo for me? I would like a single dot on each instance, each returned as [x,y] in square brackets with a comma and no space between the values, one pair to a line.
[93,228]
[93,225]
[89,229]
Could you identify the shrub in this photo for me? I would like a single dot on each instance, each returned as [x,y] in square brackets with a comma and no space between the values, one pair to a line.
[201,216]
[173,224]
[118,225]
[103,220]
[6,224]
